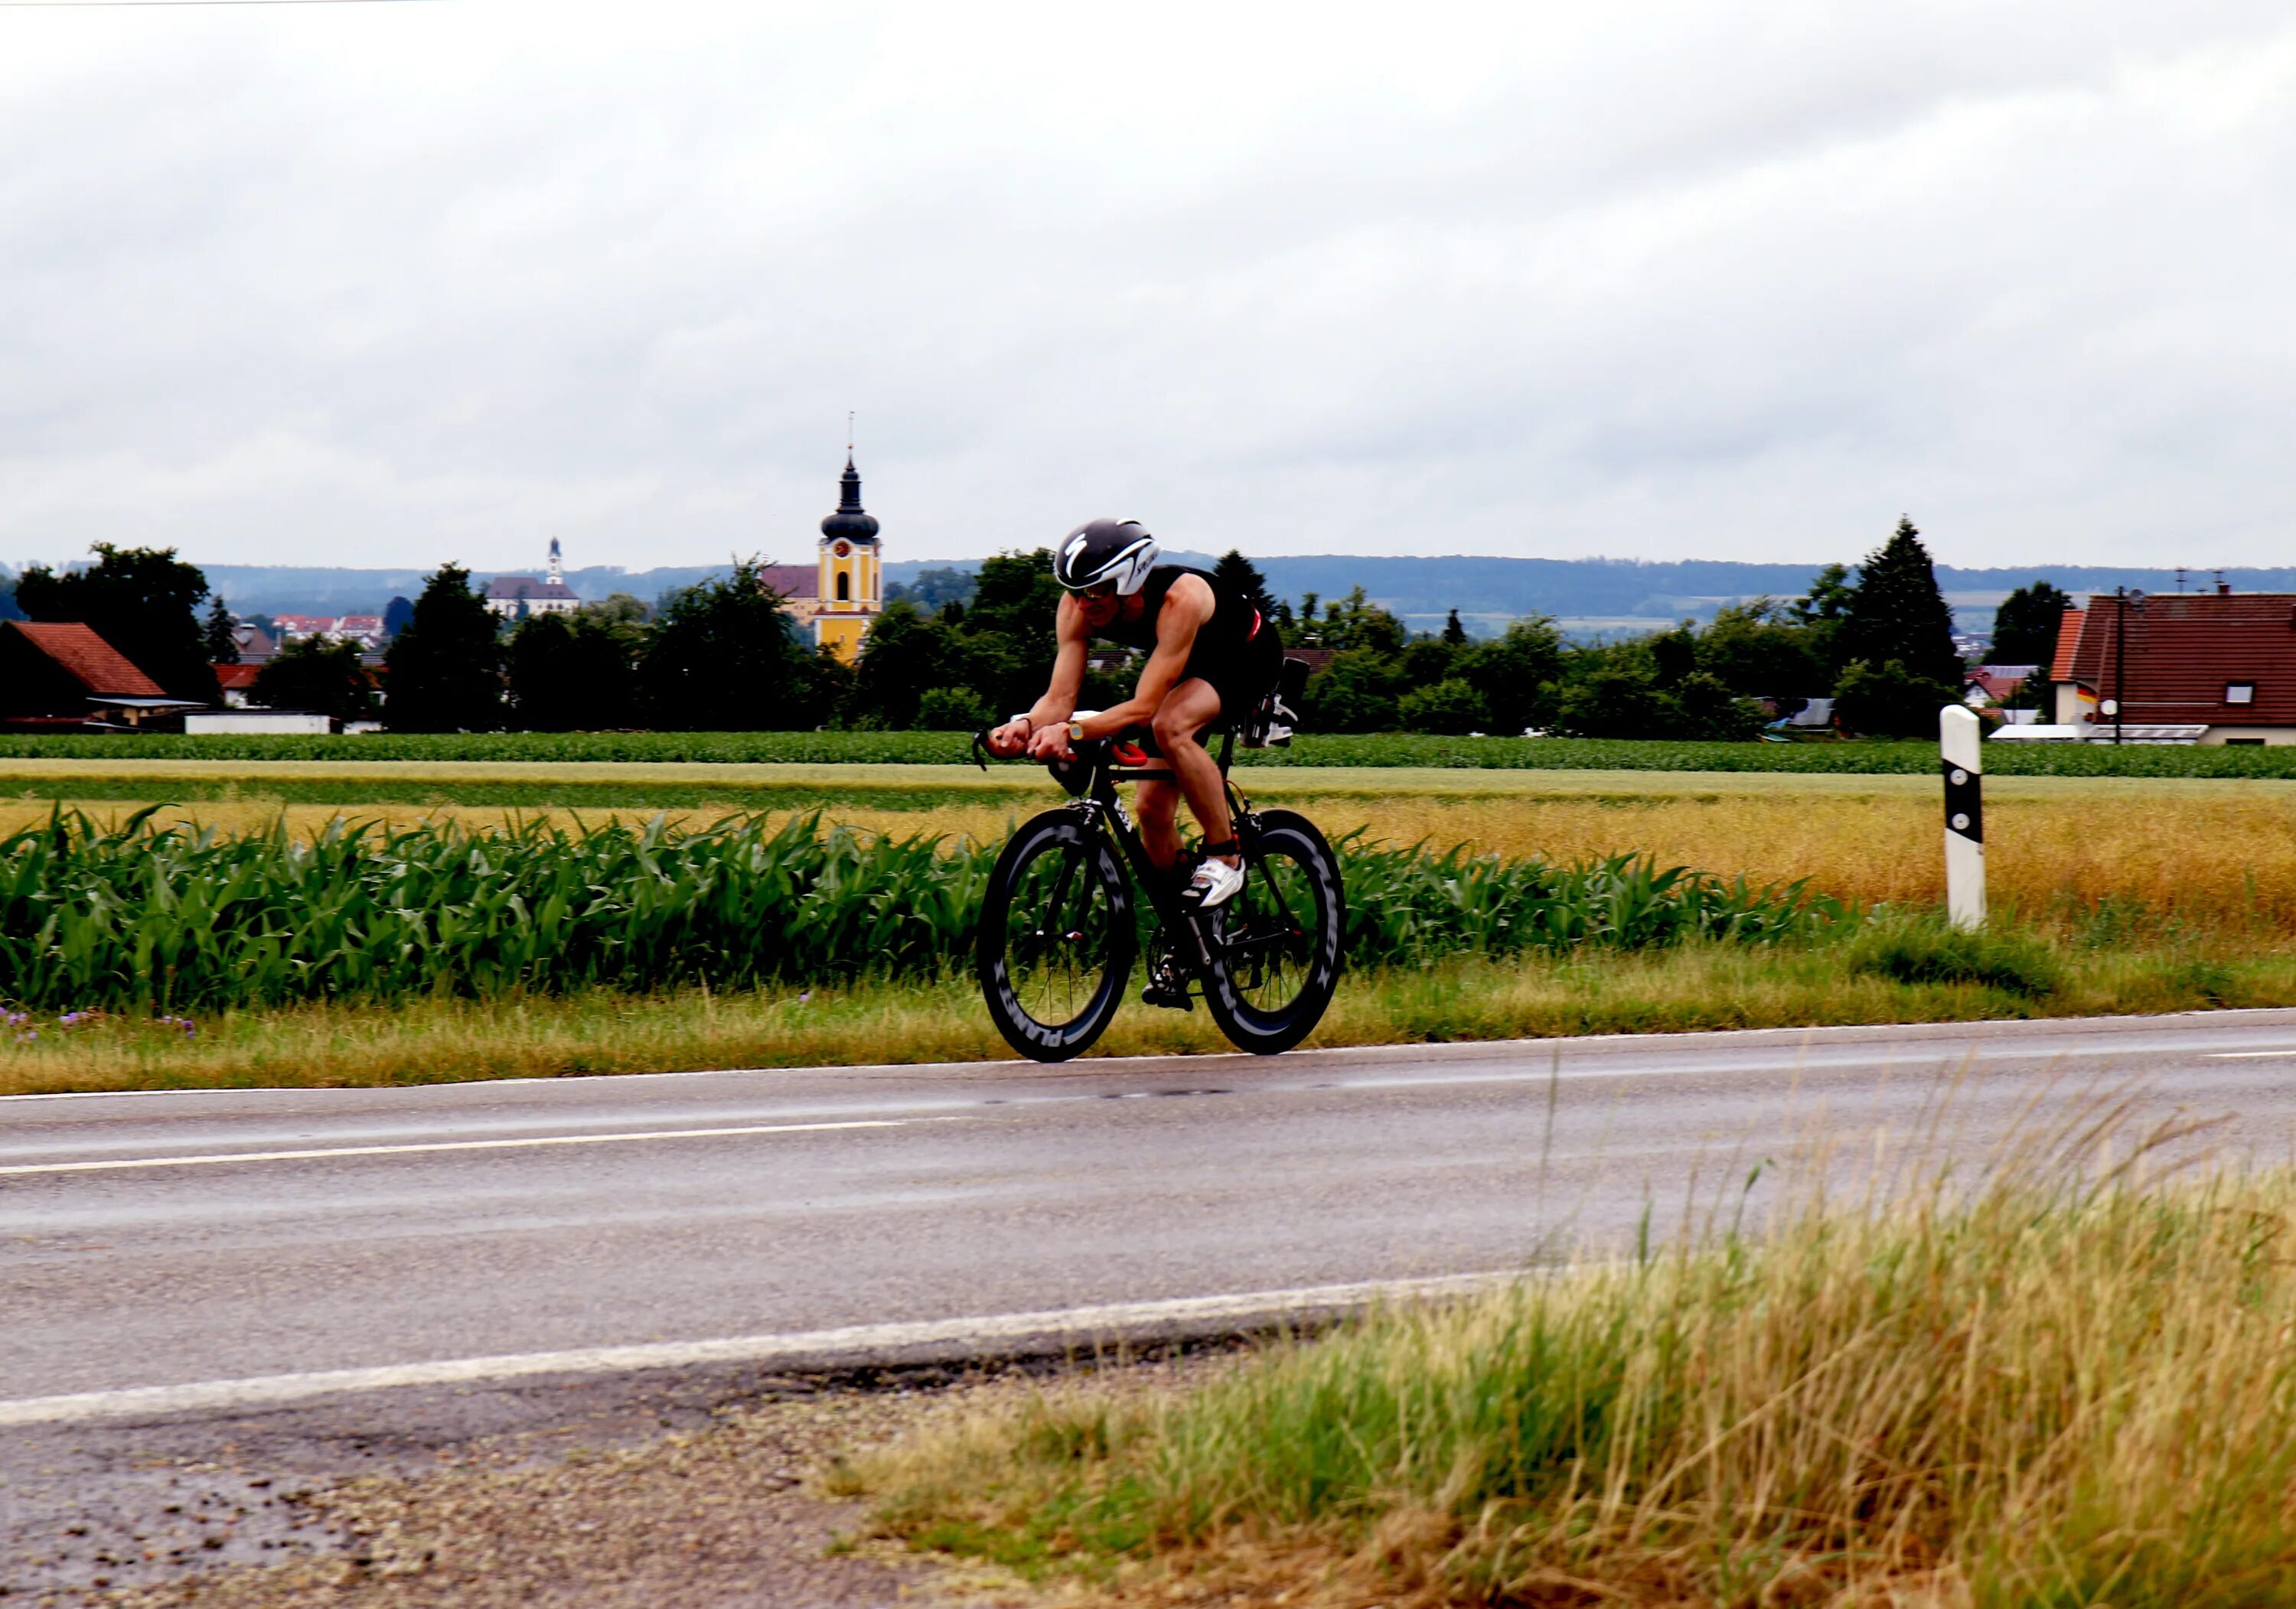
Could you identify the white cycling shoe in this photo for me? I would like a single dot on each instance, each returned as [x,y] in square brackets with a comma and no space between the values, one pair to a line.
[1214,883]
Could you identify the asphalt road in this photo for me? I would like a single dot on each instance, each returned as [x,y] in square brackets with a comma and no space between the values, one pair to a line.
[209,1300]
[206,1240]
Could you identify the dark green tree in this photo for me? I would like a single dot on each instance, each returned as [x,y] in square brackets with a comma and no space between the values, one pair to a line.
[143,601]
[8,609]
[1613,699]
[2025,626]
[569,672]
[1760,650]
[1356,692]
[1454,633]
[1674,655]
[1354,622]
[396,614]
[723,657]
[1427,660]
[443,672]
[1898,613]
[1706,710]
[829,683]
[1302,631]
[907,655]
[953,709]
[1821,613]
[1240,573]
[221,635]
[1450,708]
[1891,701]
[1015,594]
[314,674]
[1515,672]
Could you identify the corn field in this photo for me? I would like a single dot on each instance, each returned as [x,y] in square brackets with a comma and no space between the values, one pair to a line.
[177,918]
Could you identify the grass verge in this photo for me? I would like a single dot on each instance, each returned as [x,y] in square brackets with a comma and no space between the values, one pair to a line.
[2060,1392]
[1699,986]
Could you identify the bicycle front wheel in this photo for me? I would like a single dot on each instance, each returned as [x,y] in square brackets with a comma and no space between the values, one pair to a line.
[1053,948]
[1275,946]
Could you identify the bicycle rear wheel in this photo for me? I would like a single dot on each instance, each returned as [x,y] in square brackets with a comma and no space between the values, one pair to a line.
[1275,946]
[1053,948]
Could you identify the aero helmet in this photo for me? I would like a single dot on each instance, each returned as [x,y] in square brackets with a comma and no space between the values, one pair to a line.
[1105,550]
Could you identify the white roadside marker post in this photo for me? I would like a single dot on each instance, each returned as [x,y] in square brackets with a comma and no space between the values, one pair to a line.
[1964,815]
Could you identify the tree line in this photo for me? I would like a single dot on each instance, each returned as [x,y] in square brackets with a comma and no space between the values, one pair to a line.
[955,649]
[1878,642]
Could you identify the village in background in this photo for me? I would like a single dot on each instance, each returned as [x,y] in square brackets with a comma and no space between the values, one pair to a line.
[139,639]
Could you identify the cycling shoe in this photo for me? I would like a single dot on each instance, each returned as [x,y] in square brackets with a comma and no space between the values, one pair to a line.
[1214,883]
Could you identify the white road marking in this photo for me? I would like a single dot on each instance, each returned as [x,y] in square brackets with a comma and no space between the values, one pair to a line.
[318,1152]
[850,1344]
[2247,1055]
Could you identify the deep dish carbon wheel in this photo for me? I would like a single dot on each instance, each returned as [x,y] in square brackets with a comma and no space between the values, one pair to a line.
[1275,946]
[1053,950]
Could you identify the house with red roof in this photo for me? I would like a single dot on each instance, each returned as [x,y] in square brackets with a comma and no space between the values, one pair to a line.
[1994,686]
[62,676]
[236,680]
[2180,667]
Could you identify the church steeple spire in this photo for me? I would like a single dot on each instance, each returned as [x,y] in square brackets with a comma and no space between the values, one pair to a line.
[850,521]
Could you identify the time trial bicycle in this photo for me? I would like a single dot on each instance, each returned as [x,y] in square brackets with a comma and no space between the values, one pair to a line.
[1060,929]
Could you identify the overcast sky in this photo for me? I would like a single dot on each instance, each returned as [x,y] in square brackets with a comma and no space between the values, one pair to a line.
[394,283]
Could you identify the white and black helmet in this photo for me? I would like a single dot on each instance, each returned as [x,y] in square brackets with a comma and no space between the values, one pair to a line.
[1105,550]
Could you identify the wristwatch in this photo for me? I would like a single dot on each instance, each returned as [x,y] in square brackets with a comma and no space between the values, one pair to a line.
[1076,732]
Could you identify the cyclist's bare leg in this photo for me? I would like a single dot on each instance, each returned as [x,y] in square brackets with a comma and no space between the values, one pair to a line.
[1186,710]
[1154,804]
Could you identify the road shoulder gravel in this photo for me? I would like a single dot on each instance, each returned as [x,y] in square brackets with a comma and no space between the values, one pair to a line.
[651,1499]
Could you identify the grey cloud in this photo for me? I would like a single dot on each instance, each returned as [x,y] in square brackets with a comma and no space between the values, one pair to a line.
[1724,281]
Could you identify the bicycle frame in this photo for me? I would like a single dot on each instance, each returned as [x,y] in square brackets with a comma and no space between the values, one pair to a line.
[1096,800]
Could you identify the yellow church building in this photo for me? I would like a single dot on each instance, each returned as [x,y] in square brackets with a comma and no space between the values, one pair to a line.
[843,591]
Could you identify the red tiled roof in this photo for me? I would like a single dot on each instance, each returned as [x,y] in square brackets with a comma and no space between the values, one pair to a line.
[2173,658]
[1995,685]
[2061,668]
[795,581]
[89,659]
[237,678]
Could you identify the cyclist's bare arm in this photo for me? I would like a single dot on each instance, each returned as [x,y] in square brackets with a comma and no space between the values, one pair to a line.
[1059,702]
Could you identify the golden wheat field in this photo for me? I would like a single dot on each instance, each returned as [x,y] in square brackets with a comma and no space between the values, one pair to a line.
[2213,853]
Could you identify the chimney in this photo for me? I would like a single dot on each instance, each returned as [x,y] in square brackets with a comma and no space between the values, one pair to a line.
[2223,589]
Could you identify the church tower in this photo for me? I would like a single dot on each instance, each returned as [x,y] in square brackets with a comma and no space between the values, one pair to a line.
[852,592]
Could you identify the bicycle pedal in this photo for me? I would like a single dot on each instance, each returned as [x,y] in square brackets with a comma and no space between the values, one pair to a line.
[1172,998]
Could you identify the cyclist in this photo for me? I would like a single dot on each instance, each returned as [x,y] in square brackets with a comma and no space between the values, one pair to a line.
[1211,659]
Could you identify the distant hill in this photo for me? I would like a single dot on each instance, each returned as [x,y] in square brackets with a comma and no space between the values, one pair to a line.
[1587,593]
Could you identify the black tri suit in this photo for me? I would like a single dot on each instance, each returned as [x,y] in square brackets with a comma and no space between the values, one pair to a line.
[1235,651]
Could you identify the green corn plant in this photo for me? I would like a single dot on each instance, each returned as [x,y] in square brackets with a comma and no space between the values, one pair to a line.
[179,919]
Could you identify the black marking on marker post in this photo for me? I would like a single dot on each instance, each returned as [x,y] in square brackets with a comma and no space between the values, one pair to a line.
[1965,807]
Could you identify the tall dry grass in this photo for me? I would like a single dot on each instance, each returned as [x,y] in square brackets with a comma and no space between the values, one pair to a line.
[2057,1390]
